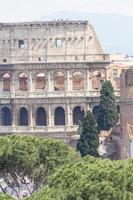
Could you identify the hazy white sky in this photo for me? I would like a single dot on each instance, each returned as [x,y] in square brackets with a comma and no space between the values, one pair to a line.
[26,10]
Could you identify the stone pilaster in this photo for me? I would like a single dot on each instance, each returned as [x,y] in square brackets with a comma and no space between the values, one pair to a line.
[68,81]
[31,117]
[50,117]
[30,86]
[69,115]
[50,82]
[88,81]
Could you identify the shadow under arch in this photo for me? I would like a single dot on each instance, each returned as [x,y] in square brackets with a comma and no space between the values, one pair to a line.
[6,118]
[41,117]
[23,117]
[59,116]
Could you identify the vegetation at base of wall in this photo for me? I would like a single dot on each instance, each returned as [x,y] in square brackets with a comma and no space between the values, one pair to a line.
[88,142]
[30,157]
[5,197]
[90,179]
[108,114]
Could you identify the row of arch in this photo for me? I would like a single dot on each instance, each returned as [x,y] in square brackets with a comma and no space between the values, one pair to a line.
[59,81]
[41,116]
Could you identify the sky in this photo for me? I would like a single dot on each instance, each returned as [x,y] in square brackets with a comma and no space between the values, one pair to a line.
[30,10]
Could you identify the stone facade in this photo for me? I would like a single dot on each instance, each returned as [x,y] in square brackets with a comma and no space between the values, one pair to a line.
[50,75]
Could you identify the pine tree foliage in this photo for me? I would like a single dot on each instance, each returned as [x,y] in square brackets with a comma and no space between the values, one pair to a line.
[89,140]
[108,113]
[90,178]
[32,158]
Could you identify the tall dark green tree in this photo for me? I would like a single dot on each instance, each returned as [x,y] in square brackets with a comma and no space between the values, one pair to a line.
[88,142]
[108,113]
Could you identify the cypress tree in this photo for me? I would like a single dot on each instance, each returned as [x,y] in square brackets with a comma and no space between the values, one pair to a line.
[88,142]
[108,113]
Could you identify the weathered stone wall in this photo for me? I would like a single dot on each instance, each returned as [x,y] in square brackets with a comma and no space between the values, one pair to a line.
[67,48]
[49,41]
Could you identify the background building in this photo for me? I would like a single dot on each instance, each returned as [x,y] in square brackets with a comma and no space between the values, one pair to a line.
[126,110]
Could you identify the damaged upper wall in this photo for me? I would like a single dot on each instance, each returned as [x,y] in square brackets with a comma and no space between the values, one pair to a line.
[49,41]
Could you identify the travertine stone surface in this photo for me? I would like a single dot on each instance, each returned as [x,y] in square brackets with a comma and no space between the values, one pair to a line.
[49,65]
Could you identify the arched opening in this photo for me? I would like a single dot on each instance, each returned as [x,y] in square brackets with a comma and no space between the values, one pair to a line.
[97,80]
[59,116]
[40,81]
[41,118]
[23,82]
[78,81]
[78,115]
[5,116]
[95,112]
[23,117]
[6,82]
[59,81]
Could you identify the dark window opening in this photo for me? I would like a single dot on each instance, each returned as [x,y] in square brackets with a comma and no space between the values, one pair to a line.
[40,58]
[5,116]
[59,118]
[41,117]
[21,44]
[4,60]
[23,117]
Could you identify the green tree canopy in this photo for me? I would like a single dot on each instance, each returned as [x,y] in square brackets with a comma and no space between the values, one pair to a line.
[88,142]
[108,113]
[30,157]
[90,179]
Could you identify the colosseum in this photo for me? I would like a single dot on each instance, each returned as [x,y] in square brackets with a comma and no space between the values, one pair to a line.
[50,75]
